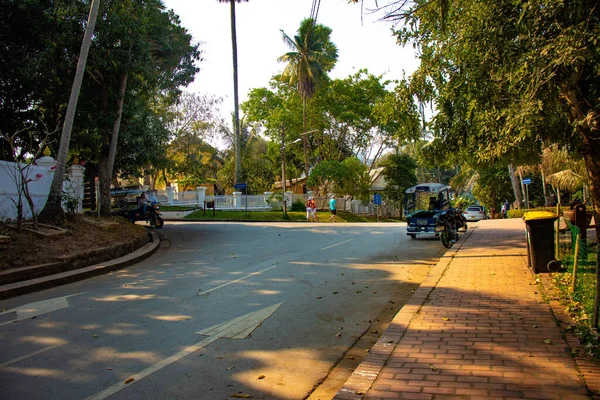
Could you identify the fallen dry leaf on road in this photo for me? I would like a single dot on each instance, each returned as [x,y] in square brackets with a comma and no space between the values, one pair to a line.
[261,377]
[548,341]
[431,367]
[240,395]
[129,380]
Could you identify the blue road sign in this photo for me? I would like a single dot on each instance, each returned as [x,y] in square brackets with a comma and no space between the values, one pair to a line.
[377,198]
[526,181]
[239,186]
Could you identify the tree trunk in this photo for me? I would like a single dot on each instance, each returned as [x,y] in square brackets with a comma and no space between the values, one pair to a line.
[109,160]
[53,212]
[236,110]
[304,138]
[515,185]
[591,155]
[544,188]
[104,178]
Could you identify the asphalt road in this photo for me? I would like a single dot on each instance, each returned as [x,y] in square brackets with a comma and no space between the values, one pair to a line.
[258,309]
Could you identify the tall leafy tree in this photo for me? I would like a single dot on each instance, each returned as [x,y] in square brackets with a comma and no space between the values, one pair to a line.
[140,50]
[53,212]
[258,160]
[312,55]
[507,77]
[400,174]
[236,110]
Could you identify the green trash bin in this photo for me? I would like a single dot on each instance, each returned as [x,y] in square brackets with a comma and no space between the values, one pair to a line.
[540,241]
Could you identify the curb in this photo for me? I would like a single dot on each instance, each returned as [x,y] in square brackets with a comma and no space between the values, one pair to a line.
[367,372]
[32,285]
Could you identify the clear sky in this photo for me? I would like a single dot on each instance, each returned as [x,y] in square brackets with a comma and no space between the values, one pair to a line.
[361,44]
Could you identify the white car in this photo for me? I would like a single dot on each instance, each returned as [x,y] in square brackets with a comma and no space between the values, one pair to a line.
[474,213]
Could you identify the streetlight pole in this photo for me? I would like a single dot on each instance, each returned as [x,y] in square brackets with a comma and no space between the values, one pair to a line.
[283,181]
[283,169]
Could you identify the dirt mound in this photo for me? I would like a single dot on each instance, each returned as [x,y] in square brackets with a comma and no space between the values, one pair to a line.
[26,248]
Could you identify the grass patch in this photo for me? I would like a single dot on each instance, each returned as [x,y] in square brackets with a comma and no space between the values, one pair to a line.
[276,216]
[177,208]
[579,304]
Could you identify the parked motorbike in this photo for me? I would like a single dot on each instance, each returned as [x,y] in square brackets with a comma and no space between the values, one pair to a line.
[149,213]
[448,222]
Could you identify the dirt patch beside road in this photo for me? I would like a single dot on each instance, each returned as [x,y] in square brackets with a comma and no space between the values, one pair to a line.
[29,248]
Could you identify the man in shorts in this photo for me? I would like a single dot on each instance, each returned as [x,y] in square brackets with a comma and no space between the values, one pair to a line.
[332,208]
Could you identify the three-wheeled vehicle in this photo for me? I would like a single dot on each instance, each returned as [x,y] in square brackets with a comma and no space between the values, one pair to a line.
[127,204]
[428,211]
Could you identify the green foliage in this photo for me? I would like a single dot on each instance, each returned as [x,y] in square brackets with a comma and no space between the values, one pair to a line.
[326,175]
[312,55]
[493,186]
[579,303]
[298,205]
[464,200]
[258,163]
[349,177]
[41,42]
[519,213]
[506,77]
[342,112]
[70,196]
[399,171]
[356,180]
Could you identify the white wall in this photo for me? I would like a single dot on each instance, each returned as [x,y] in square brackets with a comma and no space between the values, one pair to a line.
[41,174]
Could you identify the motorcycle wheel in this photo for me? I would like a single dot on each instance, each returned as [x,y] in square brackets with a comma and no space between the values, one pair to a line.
[158,222]
[464,228]
[446,237]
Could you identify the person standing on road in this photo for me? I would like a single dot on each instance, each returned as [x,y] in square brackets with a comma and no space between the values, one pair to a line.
[332,207]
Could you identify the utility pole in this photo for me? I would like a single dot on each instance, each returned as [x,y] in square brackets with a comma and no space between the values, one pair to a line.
[283,169]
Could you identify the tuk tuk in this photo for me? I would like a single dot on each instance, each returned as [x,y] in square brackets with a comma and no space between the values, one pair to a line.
[423,203]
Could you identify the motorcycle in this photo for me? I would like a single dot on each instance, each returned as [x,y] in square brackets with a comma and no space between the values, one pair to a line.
[448,223]
[149,213]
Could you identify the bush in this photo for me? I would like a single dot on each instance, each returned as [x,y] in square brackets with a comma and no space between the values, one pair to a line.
[298,205]
[516,213]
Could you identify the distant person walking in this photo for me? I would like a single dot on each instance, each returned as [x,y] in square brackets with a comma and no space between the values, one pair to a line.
[311,210]
[332,208]
[505,208]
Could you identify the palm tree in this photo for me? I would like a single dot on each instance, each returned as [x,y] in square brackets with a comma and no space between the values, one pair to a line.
[312,56]
[53,212]
[236,109]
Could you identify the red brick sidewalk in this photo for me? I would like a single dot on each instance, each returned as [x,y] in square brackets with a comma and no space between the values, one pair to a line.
[477,328]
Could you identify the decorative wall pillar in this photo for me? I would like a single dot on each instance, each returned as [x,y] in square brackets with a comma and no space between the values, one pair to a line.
[237,199]
[76,173]
[268,196]
[201,190]
[170,195]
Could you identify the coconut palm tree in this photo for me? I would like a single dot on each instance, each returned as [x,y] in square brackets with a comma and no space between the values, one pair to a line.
[236,109]
[53,212]
[312,55]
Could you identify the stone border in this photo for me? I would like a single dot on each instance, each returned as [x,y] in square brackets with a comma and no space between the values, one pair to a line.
[367,372]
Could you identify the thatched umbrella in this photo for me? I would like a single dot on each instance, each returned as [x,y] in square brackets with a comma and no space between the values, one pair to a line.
[568,180]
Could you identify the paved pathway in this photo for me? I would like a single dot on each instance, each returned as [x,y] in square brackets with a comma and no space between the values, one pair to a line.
[476,329]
